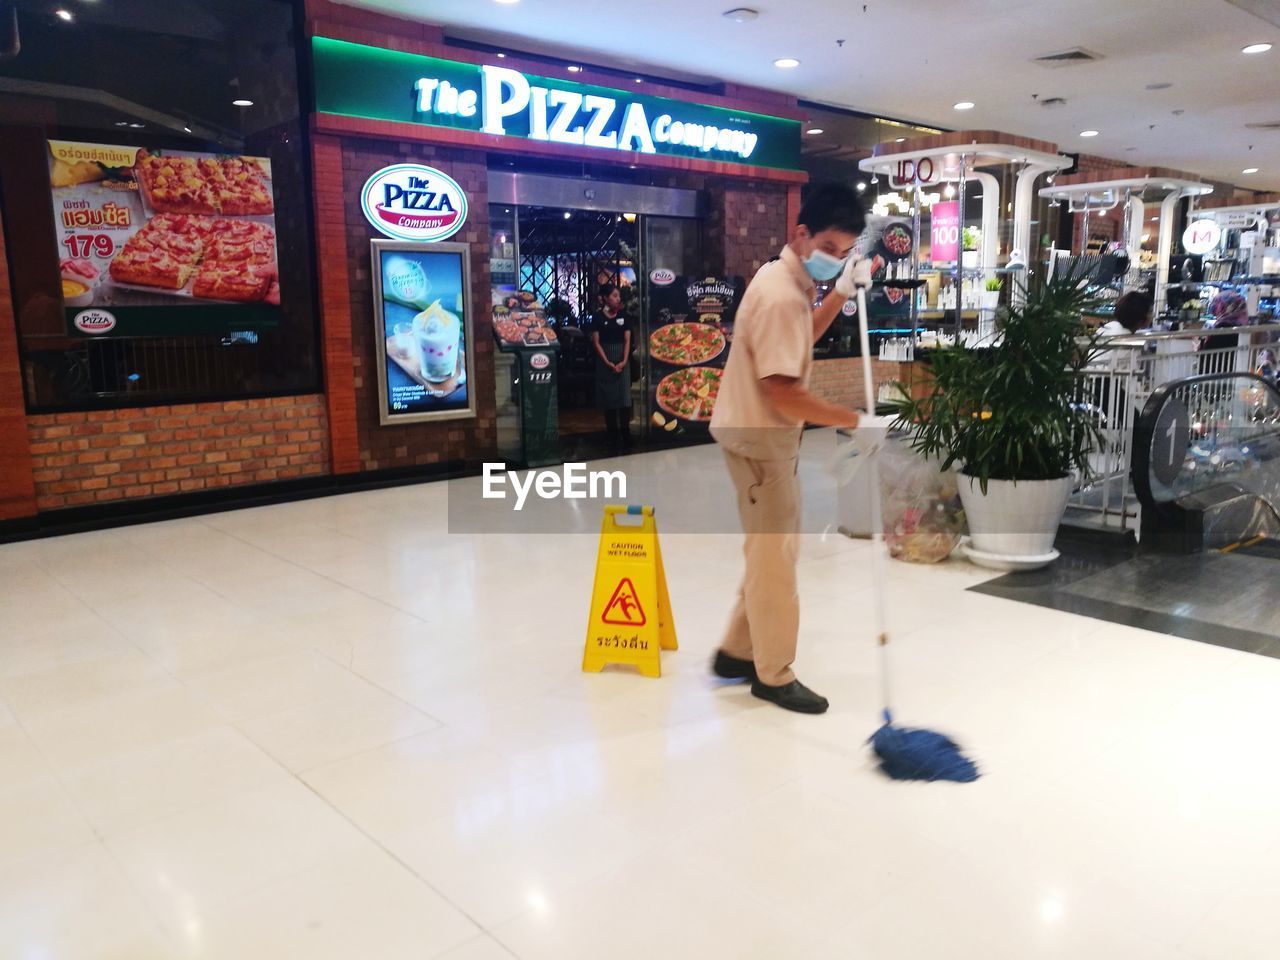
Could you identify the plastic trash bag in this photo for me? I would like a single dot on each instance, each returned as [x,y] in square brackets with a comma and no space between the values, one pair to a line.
[919,505]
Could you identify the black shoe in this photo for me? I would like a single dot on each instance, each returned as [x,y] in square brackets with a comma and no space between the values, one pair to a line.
[791,696]
[733,668]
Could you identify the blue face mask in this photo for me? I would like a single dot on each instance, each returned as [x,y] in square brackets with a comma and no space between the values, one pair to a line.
[822,266]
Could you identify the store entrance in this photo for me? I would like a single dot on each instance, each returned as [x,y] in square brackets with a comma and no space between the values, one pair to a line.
[556,257]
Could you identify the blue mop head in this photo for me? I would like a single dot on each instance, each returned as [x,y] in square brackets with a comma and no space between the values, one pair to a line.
[907,754]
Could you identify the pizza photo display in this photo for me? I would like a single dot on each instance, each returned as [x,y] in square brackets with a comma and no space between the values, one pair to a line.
[140,227]
[690,394]
[686,344]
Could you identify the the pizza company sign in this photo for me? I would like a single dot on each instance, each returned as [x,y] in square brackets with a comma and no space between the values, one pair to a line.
[486,98]
[410,201]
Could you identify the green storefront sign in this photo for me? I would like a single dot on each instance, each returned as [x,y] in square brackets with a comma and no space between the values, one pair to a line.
[354,80]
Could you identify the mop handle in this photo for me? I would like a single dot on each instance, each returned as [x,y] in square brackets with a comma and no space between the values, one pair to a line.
[877,528]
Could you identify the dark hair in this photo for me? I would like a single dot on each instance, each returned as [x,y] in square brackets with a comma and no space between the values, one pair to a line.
[1132,309]
[829,206]
[606,289]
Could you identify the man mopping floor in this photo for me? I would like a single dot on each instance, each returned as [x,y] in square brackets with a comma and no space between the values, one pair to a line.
[763,405]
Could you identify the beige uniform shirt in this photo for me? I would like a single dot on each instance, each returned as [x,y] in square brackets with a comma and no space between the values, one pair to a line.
[772,336]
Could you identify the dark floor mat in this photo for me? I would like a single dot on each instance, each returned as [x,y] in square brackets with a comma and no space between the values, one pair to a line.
[1228,600]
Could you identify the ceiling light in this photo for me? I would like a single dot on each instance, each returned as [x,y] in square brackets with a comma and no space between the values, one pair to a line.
[901,140]
[1257,48]
[136,126]
[242,103]
[786,63]
[1088,133]
[122,123]
[502,56]
[861,186]
[186,129]
[964,105]
[1249,170]
[575,69]
[66,15]
[814,131]
[741,14]
[568,215]
[639,80]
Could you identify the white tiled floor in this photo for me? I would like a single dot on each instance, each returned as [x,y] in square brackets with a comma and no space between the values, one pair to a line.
[329,729]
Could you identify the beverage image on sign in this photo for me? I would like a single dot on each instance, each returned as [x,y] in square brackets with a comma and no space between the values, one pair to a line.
[437,332]
[686,344]
[690,394]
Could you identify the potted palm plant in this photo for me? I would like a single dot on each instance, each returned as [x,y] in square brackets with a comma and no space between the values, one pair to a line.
[1012,418]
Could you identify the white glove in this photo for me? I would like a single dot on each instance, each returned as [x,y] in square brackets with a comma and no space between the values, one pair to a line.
[856,273]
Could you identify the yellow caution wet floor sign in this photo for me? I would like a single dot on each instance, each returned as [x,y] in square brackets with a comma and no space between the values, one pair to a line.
[630,620]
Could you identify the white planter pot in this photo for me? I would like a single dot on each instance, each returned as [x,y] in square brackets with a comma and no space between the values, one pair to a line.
[969,259]
[1014,519]
[990,299]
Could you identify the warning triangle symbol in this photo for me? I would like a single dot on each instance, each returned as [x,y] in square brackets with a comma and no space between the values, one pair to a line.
[623,608]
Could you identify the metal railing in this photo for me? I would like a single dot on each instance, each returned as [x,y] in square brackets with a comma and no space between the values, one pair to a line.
[1121,378]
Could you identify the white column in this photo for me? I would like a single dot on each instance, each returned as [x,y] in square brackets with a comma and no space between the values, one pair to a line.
[1168,206]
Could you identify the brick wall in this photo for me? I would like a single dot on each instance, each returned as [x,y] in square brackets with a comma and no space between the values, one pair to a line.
[424,443]
[100,456]
[746,226]
[840,380]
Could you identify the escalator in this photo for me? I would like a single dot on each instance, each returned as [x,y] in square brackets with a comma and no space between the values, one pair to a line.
[1206,466]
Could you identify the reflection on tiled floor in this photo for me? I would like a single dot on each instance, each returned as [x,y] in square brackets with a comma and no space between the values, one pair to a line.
[330,729]
[1228,599]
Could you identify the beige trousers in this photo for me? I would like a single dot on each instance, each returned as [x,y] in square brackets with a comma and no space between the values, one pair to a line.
[766,619]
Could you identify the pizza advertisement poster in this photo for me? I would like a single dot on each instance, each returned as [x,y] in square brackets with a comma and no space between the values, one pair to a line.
[690,333]
[159,242]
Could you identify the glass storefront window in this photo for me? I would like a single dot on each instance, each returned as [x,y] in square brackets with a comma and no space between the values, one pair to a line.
[154,178]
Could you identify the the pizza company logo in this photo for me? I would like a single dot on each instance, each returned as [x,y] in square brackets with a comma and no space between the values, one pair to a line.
[539,361]
[663,278]
[410,201]
[94,321]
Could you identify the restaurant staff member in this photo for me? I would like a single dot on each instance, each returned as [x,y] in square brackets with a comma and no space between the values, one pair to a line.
[763,405]
[611,340]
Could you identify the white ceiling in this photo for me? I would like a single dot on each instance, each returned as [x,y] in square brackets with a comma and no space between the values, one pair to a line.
[912,59]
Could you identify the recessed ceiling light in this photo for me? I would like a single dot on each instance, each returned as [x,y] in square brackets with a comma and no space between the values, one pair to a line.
[242,103]
[186,129]
[575,69]
[502,56]
[1256,48]
[1249,170]
[639,80]
[786,63]
[901,140]
[861,186]
[741,14]
[122,123]
[567,215]
[136,126]
[814,131]
[964,105]
[1088,133]
[66,15]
